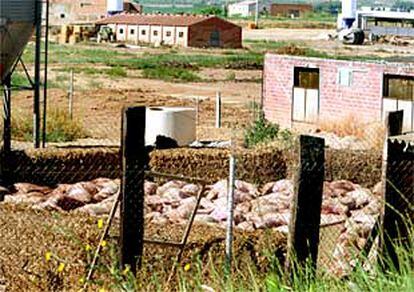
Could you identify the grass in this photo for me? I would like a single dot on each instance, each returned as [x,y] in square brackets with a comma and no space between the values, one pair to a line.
[115,71]
[213,276]
[170,74]
[60,127]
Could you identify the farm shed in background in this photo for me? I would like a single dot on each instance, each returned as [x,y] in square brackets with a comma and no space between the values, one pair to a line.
[289,10]
[244,8]
[84,11]
[300,91]
[181,30]
[386,22]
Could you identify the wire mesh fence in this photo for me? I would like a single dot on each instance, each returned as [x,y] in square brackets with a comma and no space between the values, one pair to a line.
[77,178]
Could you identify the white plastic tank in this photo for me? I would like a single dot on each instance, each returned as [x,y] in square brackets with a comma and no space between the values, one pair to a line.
[115,6]
[178,123]
[349,8]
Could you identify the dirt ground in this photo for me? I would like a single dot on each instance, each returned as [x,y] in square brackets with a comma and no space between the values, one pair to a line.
[318,39]
[28,236]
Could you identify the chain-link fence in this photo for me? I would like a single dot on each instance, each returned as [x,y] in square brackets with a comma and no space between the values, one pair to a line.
[51,217]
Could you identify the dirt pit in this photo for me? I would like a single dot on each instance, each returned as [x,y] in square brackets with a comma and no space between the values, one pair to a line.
[33,244]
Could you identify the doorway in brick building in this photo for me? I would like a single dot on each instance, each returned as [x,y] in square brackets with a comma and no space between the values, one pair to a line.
[399,95]
[215,38]
[305,95]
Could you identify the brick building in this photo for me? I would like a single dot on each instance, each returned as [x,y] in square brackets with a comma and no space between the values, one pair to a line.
[83,11]
[180,30]
[287,10]
[300,90]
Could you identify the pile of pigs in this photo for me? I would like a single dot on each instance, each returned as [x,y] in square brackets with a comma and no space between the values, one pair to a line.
[345,203]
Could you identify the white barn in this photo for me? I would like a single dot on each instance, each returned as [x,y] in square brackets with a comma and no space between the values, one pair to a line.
[244,9]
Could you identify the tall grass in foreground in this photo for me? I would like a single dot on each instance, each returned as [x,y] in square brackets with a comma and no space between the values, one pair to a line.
[247,275]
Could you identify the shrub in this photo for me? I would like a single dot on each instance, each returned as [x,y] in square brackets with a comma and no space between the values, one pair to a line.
[60,127]
[263,131]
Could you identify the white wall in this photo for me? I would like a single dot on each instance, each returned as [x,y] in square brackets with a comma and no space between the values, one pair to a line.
[156,34]
[169,35]
[182,36]
[144,33]
[121,32]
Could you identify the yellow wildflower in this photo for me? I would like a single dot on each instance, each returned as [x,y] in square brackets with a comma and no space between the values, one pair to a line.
[126,271]
[81,280]
[103,243]
[61,267]
[88,247]
[100,223]
[102,290]
[48,256]
[187,267]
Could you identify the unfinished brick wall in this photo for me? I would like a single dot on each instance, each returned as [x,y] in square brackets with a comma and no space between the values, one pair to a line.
[362,98]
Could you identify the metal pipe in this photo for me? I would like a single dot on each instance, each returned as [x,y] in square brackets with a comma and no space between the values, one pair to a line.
[230,205]
[218,110]
[7,115]
[36,99]
[44,128]
[70,94]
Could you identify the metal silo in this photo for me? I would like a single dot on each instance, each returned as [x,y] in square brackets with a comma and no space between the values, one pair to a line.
[17,23]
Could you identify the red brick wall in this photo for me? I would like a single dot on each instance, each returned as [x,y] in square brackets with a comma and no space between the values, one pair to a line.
[362,99]
[286,9]
[230,34]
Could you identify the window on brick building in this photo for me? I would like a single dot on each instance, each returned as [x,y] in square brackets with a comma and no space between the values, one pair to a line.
[143,32]
[168,33]
[305,94]
[121,31]
[398,94]
[155,33]
[132,31]
[345,77]
[181,34]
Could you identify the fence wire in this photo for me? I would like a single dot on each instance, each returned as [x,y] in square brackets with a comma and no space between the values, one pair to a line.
[50,220]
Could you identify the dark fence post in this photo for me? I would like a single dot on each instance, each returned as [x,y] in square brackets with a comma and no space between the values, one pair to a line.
[7,136]
[393,127]
[303,238]
[134,160]
[399,196]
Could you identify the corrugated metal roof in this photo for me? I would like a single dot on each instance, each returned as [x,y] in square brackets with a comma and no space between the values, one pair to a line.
[155,19]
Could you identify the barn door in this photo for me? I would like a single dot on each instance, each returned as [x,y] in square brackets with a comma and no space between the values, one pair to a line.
[215,38]
[305,99]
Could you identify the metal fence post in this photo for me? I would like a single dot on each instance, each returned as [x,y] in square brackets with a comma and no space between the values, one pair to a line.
[70,93]
[303,238]
[218,110]
[230,211]
[134,159]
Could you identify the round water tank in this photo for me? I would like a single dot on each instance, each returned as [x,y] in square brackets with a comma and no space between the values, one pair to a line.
[115,6]
[349,8]
[17,22]
[177,123]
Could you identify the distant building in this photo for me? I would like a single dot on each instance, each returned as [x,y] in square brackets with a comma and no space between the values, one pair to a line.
[181,30]
[386,22]
[304,91]
[84,11]
[289,10]
[244,9]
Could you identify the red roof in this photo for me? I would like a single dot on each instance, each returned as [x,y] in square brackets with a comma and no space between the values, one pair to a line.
[155,19]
